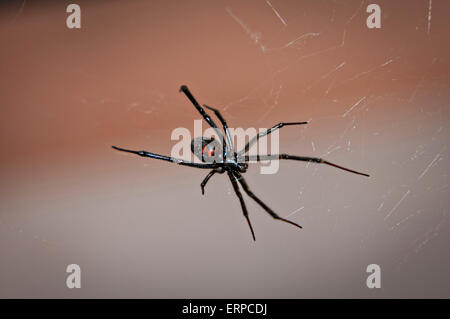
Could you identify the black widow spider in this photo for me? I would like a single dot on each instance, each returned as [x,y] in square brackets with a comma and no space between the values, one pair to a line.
[229,161]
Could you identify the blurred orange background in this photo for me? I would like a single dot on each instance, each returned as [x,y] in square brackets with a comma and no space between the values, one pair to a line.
[377,101]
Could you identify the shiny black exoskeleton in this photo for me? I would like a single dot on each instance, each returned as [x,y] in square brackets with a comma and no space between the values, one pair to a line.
[220,157]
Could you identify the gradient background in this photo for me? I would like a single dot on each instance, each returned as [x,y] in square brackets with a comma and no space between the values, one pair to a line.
[141,228]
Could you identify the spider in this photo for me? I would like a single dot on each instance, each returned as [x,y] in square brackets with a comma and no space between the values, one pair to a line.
[229,161]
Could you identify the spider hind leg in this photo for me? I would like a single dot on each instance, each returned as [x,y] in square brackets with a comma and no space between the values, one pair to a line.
[241,200]
[260,202]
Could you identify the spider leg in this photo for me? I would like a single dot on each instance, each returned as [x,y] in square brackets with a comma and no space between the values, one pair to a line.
[202,112]
[203,184]
[244,185]
[262,134]
[300,158]
[225,126]
[169,159]
[210,174]
[241,200]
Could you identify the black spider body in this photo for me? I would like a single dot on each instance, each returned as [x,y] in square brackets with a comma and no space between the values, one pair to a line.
[220,157]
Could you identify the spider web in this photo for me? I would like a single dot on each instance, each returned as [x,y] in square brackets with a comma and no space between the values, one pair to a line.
[398,133]
[377,101]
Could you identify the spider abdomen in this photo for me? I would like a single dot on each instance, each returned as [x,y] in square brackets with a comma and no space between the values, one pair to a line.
[208,150]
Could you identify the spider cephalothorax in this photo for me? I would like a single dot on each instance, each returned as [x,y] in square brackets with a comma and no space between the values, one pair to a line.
[220,157]
[209,150]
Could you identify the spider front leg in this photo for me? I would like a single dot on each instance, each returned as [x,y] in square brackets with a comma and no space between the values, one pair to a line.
[224,125]
[256,199]
[202,112]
